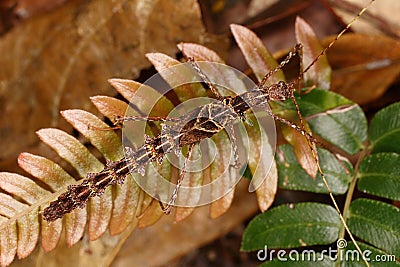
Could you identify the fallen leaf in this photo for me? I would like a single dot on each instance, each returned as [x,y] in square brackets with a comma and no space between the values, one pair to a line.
[364,66]
[56,61]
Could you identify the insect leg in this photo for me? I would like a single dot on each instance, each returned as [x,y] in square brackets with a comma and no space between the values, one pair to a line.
[204,77]
[119,119]
[231,133]
[167,209]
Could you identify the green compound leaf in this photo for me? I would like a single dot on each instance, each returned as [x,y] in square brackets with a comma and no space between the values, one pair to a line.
[293,177]
[379,175]
[333,117]
[377,223]
[296,225]
[384,131]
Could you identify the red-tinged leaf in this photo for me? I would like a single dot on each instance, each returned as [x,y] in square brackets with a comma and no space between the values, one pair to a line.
[148,100]
[71,150]
[107,142]
[28,226]
[177,75]
[182,213]
[190,192]
[301,146]
[75,223]
[109,106]
[51,233]
[220,206]
[8,243]
[55,177]
[154,184]
[126,204]
[222,175]
[199,53]
[28,234]
[256,54]
[46,170]
[320,73]
[146,201]
[127,88]
[267,190]
[112,107]
[100,214]
[218,73]
[150,215]
[22,187]
[262,166]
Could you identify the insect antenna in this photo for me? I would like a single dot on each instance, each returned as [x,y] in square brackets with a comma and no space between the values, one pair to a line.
[338,36]
[310,141]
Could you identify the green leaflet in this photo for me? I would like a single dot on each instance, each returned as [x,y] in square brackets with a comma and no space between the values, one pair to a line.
[297,225]
[384,131]
[377,223]
[293,177]
[379,175]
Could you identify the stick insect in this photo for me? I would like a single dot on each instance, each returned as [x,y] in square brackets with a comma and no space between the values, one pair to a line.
[193,127]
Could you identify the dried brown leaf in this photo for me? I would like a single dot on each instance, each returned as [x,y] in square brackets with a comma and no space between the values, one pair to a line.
[71,150]
[56,178]
[256,54]
[126,204]
[100,214]
[151,214]
[21,187]
[172,240]
[262,166]
[192,180]
[57,60]
[199,52]
[44,169]
[176,76]
[28,234]
[75,223]
[218,74]
[381,16]
[223,174]
[109,106]
[364,66]
[267,190]
[107,142]
[320,73]
[8,242]
[27,225]
[51,233]
[300,145]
